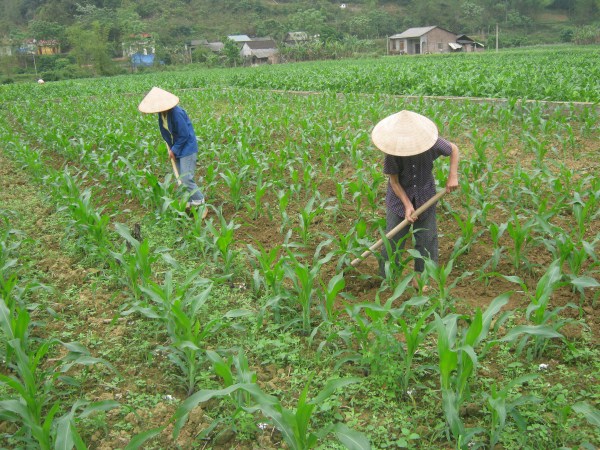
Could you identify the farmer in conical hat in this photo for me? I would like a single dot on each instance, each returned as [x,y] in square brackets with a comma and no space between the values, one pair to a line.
[177,131]
[411,143]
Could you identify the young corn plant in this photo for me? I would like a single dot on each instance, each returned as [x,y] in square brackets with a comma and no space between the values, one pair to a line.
[177,306]
[440,273]
[521,236]
[329,294]
[283,197]
[546,320]
[235,182]
[500,407]
[293,424]
[31,399]
[469,233]
[268,275]
[159,194]
[458,362]
[135,260]
[307,216]
[304,278]
[496,231]
[584,211]
[89,221]
[414,335]
[350,244]
[223,235]
[261,189]
[374,330]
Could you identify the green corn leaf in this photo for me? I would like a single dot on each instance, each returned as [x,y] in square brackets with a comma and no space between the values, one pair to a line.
[139,439]
[589,412]
[331,386]
[104,405]
[534,330]
[585,282]
[353,440]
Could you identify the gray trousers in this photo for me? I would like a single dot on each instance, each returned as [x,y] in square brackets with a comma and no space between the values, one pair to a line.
[426,239]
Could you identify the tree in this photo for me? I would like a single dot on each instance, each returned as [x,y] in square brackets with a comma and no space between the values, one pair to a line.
[310,20]
[40,29]
[231,51]
[90,47]
[584,9]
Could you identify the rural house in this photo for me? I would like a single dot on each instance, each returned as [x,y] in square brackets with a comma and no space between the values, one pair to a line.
[140,48]
[416,41]
[260,51]
[48,47]
[194,44]
[215,47]
[469,45]
[295,38]
[239,39]
[39,47]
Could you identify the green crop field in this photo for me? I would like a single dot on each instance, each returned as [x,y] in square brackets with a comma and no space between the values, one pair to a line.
[126,323]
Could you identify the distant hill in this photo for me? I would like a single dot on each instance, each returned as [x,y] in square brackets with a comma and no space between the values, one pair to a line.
[174,21]
[89,36]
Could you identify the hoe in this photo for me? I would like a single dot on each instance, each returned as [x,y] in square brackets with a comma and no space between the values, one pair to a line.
[398,227]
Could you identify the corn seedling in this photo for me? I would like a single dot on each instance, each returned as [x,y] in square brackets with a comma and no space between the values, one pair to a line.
[546,320]
[223,241]
[135,259]
[521,236]
[31,400]
[500,407]
[307,216]
[178,306]
[440,273]
[304,278]
[458,362]
[235,181]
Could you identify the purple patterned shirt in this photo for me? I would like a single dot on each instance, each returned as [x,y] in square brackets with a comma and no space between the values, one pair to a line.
[415,174]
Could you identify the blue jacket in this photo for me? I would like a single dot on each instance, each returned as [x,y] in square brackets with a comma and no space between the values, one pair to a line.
[180,136]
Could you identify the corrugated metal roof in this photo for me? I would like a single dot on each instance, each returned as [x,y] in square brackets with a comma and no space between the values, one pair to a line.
[264,53]
[216,46]
[262,44]
[454,45]
[413,33]
[297,36]
[239,38]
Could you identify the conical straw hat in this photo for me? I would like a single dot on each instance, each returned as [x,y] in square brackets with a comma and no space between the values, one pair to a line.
[158,100]
[405,133]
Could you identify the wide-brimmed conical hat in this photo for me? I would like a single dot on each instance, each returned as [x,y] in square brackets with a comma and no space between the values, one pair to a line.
[404,133]
[158,100]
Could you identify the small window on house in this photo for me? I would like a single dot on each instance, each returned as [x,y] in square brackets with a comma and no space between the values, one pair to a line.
[440,46]
[401,45]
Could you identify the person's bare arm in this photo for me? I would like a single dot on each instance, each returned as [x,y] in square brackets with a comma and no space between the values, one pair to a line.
[401,194]
[452,182]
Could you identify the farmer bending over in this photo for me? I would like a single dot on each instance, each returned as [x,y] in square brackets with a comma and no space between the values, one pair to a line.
[411,144]
[177,131]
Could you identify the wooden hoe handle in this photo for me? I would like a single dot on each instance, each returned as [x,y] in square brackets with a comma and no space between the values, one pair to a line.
[398,227]
[175,171]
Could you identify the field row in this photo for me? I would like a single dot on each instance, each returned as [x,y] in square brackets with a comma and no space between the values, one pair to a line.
[296,192]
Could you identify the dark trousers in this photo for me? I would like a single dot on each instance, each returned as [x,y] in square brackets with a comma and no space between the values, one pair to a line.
[426,239]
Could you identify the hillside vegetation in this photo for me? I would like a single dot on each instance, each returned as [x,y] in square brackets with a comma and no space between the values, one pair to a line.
[174,21]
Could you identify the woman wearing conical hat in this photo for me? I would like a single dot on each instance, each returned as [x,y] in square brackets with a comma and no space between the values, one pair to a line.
[177,131]
[411,143]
